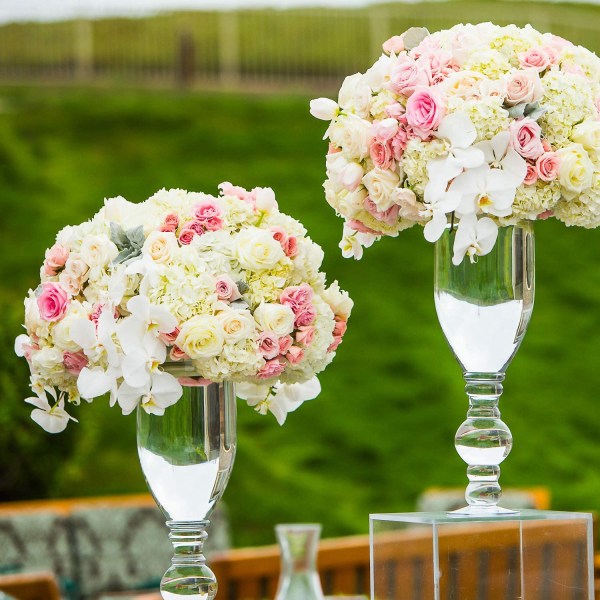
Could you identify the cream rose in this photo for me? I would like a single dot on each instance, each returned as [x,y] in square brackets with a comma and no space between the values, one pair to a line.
[161,246]
[46,359]
[201,337]
[276,318]
[352,134]
[576,170]
[33,321]
[587,134]
[340,303]
[380,184]
[257,250]
[97,250]
[237,325]
[61,331]
[523,86]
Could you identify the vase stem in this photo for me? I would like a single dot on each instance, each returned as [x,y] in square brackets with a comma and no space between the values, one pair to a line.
[483,441]
[188,574]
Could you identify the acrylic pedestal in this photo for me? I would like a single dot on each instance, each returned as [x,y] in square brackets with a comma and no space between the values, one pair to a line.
[531,555]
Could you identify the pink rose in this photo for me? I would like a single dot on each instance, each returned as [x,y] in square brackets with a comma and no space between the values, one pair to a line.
[170,223]
[428,44]
[186,235]
[406,75]
[437,62]
[176,354]
[169,338]
[56,257]
[334,345]
[268,345]
[209,215]
[545,215]
[523,86]
[295,355]
[74,362]
[52,301]
[272,368]
[525,138]
[227,189]
[382,154]
[305,335]
[305,316]
[361,227]
[291,246]
[227,289]
[340,327]
[333,149]
[390,216]
[531,176]
[424,110]
[400,140]
[547,166]
[395,110]
[385,129]
[394,45]
[296,296]
[535,58]
[285,343]
[546,145]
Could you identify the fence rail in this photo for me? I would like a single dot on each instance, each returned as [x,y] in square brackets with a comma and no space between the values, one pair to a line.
[235,50]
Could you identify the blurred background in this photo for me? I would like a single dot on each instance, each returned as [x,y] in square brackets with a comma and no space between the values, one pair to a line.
[99,99]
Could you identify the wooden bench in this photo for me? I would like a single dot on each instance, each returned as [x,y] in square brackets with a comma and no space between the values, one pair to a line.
[30,586]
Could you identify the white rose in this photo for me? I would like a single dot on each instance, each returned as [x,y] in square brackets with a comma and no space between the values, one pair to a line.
[46,359]
[323,108]
[380,184]
[161,246]
[340,303]
[118,210]
[33,322]
[257,250]
[355,95]
[587,134]
[61,331]
[265,199]
[201,337]
[352,135]
[576,170]
[237,324]
[276,318]
[97,250]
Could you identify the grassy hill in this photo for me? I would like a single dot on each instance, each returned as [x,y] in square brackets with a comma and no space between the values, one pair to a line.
[383,428]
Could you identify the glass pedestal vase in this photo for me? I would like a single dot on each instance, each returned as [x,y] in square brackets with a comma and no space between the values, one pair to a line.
[187,455]
[484,308]
[534,555]
[299,579]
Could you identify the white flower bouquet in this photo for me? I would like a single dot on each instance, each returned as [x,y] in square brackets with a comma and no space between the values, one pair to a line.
[479,126]
[229,283]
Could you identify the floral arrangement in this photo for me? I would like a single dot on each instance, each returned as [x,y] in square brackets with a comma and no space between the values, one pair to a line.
[479,126]
[229,283]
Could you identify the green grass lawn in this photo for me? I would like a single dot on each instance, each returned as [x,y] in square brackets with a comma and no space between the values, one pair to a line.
[382,430]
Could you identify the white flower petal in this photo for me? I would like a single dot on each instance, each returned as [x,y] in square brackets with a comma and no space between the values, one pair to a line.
[434,229]
[487,234]
[253,393]
[95,382]
[140,307]
[135,371]
[458,129]
[165,321]
[469,158]
[83,333]
[39,402]
[20,342]
[165,389]
[50,422]
[499,144]
[131,332]
[129,397]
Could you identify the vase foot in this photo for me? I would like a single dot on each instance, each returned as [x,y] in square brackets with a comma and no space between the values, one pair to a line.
[483,511]
[195,582]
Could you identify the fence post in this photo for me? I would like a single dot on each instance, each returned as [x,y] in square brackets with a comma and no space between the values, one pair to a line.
[378,30]
[229,49]
[186,65]
[84,49]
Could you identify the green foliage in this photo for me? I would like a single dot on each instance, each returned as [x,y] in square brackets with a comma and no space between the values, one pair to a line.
[382,430]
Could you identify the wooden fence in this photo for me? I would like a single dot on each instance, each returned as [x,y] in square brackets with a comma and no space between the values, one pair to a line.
[278,49]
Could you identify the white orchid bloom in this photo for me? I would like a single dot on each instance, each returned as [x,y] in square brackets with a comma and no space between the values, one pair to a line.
[96,381]
[280,399]
[52,419]
[474,237]
[21,342]
[353,242]
[459,133]
[97,340]
[144,358]
[148,269]
[161,391]
[485,190]
[499,154]
[436,209]
[144,317]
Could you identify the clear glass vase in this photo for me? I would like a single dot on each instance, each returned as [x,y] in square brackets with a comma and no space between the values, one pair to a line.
[484,308]
[187,455]
[299,579]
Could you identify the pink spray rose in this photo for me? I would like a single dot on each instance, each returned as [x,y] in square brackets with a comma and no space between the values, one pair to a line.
[56,257]
[285,343]
[272,368]
[289,244]
[395,110]
[406,75]
[535,58]
[525,138]
[295,355]
[176,354]
[523,86]
[390,216]
[169,338]
[394,45]
[209,215]
[340,328]
[186,235]
[337,340]
[52,302]
[227,289]
[305,316]
[268,345]
[74,362]
[547,166]
[359,226]
[424,110]
[227,189]
[382,154]
[531,176]
[170,223]
[296,296]
[305,335]
[438,63]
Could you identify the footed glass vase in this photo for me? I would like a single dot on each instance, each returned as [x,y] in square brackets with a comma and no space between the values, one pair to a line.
[484,308]
[187,455]
[299,579]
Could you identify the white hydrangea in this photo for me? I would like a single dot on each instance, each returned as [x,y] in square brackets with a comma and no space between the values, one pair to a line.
[415,158]
[487,114]
[532,200]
